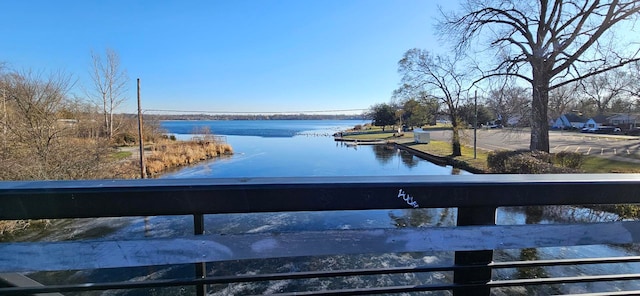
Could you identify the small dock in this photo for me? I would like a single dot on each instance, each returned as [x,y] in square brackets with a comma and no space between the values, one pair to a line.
[353,142]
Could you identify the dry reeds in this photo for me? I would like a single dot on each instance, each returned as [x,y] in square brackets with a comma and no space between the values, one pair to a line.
[168,155]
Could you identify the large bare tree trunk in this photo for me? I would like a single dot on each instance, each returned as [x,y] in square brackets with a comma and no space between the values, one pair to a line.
[561,41]
[539,106]
[455,137]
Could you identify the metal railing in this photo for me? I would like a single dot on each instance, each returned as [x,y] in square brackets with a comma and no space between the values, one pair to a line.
[474,238]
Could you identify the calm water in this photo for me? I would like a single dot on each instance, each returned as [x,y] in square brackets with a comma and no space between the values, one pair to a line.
[296,148]
[306,148]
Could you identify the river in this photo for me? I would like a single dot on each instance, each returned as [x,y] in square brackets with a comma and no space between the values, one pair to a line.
[296,148]
[306,148]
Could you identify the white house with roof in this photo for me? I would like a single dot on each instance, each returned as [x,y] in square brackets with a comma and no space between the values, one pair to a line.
[623,120]
[596,122]
[569,120]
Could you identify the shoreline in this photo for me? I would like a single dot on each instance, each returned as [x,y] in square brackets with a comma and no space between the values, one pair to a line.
[403,145]
[441,160]
[165,156]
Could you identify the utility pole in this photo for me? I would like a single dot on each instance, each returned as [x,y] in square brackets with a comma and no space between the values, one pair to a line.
[143,170]
[4,118]
[475,125]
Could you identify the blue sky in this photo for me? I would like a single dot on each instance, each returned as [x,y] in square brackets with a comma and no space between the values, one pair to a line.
[233,56]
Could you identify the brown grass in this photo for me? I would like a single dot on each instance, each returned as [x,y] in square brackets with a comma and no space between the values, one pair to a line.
[165,155]
[171,154]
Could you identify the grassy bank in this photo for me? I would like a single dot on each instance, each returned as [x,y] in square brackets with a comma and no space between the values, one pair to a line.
[591,164]
[166,155]
[465,161]
[174,154]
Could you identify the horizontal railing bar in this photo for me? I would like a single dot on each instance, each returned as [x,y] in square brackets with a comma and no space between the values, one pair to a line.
[191,282]
[557,262]
[331,274]
[151,197]
[564,280]
[417,269]
[361,291]
[362,272]
[99,286]
[376,290]
[613,293]
[72,255]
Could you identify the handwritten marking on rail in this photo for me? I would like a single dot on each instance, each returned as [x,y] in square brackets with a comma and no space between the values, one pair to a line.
[407,198]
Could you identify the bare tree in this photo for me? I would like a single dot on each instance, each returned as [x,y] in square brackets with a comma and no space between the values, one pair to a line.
[443,78]
[605,88]
[546,43]
[634,87]
[42,132]
[109,86]
[509,103]
[561,100]
[35,102]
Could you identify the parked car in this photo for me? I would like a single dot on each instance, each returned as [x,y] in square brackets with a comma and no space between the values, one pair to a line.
[602,130]
[607,130]
[588,130]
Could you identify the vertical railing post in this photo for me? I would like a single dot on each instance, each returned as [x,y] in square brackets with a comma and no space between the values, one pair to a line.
[201,268]
[474,216]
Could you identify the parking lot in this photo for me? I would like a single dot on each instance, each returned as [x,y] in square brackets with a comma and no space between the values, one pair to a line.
[596,144]
[613,146]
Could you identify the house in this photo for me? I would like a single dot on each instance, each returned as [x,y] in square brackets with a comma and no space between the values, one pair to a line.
[625,121]
[596,122]
[569,121]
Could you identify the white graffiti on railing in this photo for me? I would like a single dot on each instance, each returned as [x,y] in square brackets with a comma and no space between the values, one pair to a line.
[407,198]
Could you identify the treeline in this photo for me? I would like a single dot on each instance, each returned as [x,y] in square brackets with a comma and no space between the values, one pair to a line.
[422,111]
[158,117]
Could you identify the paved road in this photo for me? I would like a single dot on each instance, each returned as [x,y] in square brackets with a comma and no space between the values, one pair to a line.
[618,147]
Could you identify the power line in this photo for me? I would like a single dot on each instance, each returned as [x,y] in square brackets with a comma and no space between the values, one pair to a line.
[251,112]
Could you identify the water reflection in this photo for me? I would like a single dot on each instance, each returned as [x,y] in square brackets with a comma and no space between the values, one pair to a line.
[412,218]
[408,159]
[384,153]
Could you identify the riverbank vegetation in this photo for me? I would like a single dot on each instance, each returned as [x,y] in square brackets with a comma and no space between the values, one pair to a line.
[168,155]
[48,134]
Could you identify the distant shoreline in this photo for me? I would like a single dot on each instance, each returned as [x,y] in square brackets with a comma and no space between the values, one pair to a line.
[252,117]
